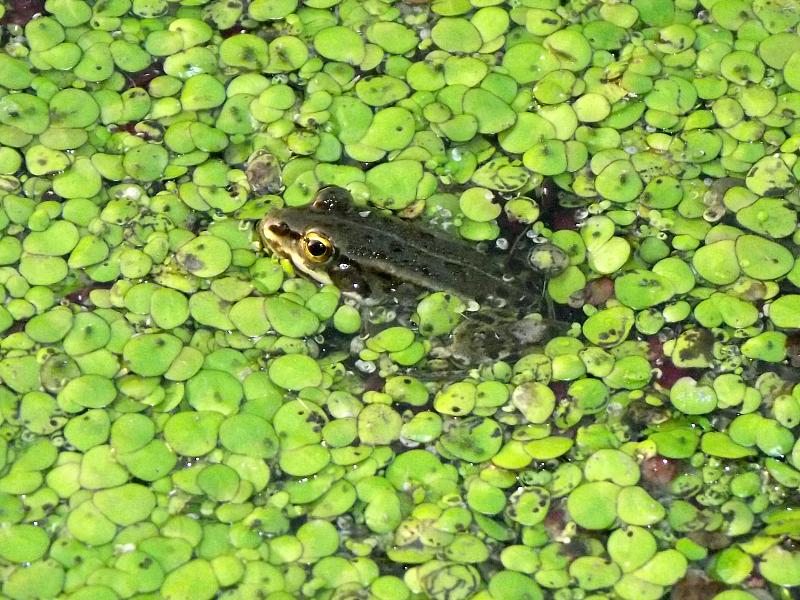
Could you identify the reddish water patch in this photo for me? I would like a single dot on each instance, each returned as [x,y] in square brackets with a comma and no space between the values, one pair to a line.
[19,12]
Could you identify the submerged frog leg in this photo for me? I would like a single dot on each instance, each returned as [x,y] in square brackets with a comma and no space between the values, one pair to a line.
[490,336]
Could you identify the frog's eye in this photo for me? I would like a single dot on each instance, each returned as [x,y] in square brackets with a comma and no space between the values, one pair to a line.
[317,247]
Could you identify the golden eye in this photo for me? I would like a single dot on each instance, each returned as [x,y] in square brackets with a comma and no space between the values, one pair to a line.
[317,247]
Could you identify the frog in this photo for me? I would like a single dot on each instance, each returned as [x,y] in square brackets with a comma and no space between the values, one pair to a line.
[363,250]
[374,257]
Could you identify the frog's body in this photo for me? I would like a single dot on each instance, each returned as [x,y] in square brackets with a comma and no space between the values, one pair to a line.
[333,242]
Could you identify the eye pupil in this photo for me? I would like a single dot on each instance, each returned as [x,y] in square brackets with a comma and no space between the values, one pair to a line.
[317,248]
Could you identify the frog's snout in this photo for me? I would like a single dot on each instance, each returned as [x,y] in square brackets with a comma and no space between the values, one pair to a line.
[275,233]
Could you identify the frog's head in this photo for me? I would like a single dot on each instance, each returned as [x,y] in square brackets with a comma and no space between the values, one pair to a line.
[308,235]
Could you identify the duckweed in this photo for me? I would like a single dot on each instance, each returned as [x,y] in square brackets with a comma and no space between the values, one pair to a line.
[183,415]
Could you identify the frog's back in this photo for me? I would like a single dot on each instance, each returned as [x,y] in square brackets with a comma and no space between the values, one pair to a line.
[431,259]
